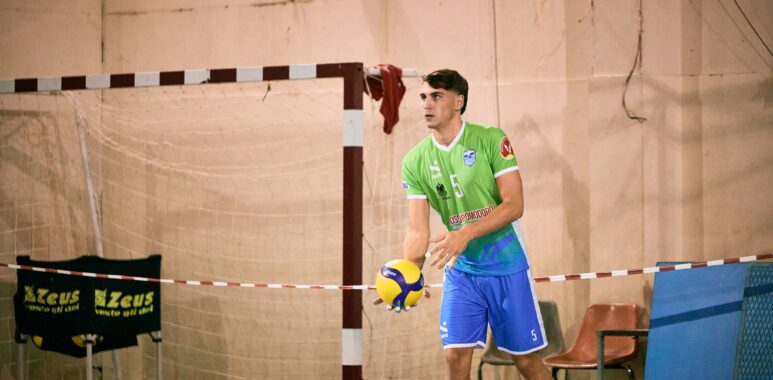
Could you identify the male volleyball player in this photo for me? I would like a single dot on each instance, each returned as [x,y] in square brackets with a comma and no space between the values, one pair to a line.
[469,174]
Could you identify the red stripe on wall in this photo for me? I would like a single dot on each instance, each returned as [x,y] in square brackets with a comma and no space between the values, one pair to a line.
[121,80]
[74,83]
[351,372]
[353,86]
[170,78]
[276,72]
[26,85]
[222,76]
[330,70]
[352,236]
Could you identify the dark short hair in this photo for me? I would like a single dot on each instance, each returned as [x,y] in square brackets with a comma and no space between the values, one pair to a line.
[450,80]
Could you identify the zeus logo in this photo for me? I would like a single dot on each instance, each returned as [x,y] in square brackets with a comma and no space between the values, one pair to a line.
[116,299]
[435,169]
[42,296]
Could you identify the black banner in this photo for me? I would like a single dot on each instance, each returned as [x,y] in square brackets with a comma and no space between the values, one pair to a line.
[56,309]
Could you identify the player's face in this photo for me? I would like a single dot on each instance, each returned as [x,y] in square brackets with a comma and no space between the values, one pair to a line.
[440,106]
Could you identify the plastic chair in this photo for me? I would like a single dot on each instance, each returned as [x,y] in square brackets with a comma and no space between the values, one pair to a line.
[493,356]
[617,350]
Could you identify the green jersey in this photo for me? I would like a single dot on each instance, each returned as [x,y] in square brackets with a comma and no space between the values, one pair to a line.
[459,181]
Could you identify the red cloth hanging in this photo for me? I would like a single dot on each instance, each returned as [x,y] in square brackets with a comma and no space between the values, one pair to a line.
[390,87]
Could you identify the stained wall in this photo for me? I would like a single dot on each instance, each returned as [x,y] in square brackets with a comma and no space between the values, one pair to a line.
[685,182]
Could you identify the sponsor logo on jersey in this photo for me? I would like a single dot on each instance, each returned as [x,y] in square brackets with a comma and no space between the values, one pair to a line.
[406,186]
[470,215]
[435,170]
[469,157]
[441,190]
[505,149]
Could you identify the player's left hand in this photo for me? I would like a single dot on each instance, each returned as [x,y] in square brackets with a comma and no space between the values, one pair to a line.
[378,301]
[448,247]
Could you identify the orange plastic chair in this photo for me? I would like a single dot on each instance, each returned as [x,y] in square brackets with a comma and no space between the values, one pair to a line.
[617,350]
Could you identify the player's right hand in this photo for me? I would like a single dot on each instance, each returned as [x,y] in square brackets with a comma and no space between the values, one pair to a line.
[378,301]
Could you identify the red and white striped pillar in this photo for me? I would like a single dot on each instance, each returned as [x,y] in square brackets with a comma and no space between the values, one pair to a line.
[351,333]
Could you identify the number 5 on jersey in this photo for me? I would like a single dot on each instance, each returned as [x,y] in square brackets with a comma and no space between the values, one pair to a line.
[457,187]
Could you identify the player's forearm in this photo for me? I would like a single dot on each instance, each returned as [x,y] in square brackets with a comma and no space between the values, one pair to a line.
[415,246]
[504,214]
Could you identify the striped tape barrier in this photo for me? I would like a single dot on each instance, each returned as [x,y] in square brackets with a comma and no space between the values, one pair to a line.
[555,278]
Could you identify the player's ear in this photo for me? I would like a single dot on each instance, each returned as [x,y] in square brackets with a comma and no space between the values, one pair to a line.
[459,102]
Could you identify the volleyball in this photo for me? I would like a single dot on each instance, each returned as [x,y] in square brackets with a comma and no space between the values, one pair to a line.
[400,283]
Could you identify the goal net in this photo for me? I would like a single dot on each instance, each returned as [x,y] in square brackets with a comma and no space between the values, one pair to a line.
[238,182]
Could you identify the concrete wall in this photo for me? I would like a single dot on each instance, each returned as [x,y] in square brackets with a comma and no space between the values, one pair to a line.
[603,191]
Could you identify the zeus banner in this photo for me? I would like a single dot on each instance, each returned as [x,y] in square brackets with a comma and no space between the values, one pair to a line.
[56,309]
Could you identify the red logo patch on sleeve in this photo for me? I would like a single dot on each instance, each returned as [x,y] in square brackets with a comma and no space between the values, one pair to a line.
[505,149]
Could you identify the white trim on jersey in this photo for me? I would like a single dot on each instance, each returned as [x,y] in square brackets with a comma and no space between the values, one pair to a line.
[453,143]
[417,197]
[505,171]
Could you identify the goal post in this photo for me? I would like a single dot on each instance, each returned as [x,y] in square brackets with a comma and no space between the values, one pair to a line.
[352,76]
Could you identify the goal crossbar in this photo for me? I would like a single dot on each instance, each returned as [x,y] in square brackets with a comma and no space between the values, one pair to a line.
[352,75]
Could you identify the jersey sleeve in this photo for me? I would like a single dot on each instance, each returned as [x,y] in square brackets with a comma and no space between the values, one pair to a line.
[501,153]
[410,175]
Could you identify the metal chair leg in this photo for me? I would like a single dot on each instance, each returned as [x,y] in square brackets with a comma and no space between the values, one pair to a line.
[631,375]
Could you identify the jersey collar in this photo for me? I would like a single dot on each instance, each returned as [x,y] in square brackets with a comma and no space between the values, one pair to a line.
[453,142]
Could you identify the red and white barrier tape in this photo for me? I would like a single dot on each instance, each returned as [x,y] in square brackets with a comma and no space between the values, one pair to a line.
[628,272]
[556,278]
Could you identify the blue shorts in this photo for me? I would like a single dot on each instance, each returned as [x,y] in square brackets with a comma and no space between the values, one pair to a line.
[507,303]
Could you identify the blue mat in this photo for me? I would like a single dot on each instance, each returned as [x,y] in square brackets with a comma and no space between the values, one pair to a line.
[755,346]
[710,323]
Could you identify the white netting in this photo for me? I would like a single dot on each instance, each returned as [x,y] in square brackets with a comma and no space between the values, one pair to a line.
[230,182]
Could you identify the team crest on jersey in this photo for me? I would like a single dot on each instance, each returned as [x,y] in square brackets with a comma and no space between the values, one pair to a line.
[505,149]
[469,157]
